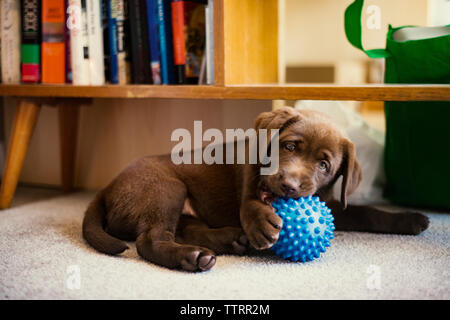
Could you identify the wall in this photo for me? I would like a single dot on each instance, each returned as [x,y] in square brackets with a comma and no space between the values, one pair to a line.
[315,28]
[314,37]
[114,132]
[438,12]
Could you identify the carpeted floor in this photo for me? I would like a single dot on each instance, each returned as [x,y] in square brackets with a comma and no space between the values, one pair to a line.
[43,256]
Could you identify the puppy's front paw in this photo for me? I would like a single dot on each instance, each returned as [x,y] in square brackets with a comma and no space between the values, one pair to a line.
[263,232]
[412,223]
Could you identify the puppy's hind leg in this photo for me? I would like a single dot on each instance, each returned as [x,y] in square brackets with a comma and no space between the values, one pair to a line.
[156,240]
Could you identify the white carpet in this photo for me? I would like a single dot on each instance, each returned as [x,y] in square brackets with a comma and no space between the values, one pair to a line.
[40,242]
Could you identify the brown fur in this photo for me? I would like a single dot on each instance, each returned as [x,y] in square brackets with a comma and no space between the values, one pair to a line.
[181,216]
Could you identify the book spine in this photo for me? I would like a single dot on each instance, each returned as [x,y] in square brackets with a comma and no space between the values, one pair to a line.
[112,39]
[79,65]
[31,41]
[10,38]
[179,49]
[53,46]
[155,63]
[105,39]
[194,35]
[67,43]
[85,40]
[95,35]
[122,52]
[140,55]
[209,29]
[165,42]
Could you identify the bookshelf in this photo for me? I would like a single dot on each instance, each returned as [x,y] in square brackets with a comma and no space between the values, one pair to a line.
[246,67]
[369,92]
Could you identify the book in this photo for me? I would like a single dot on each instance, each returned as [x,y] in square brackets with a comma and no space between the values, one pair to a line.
[112,40]
[152,19]
[68,58]
[10,38]
[209,45]
[53,46]
[105,38]
[202,75]
[139,44]
[188,24]
[79,65]
[165,41]
[123,63]
[95,42]
[31,41]
[85,40]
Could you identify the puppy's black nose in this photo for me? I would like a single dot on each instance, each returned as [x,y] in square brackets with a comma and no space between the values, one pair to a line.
[288,189]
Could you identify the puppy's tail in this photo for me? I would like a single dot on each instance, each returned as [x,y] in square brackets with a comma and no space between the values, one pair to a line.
[93,230]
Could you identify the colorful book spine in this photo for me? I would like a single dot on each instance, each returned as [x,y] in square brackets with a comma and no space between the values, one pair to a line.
[123,62]
[112,39]
[139,46]
[10,41]
[79,65]
[95,36]
[67,43]
[31,41]
[188,24]
[179,50]
[165,42]
[53,46]
[155,62]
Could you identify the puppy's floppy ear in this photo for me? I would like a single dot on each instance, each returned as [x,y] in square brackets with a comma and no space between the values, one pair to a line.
[276,119]
[350,170]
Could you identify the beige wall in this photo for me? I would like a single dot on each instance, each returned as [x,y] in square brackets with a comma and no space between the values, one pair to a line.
[114,132]
[314,36]
[315,28]
[438,12]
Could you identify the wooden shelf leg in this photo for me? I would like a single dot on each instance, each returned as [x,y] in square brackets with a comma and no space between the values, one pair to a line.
[68,131]
[25,120]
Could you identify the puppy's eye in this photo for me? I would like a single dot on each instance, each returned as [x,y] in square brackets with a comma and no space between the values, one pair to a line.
[323,165]
[290,146]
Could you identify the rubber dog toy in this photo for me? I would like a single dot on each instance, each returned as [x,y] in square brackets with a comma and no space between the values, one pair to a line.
[307,228]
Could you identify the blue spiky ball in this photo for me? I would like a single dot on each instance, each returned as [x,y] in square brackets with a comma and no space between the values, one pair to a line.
[307,228]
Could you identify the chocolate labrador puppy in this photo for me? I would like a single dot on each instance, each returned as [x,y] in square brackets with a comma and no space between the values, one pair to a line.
[182,216]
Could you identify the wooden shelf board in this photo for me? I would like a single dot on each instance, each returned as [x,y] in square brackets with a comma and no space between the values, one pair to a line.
[369,92]
[378,92]
[112,91]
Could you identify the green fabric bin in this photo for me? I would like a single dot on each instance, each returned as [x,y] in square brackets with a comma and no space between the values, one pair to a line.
[417,151]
